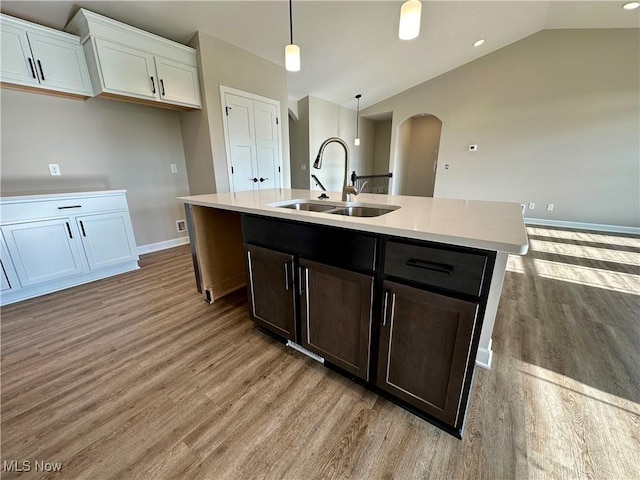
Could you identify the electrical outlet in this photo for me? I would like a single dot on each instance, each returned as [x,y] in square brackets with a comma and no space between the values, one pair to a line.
[303,167]
[54,169]
[550,207]
[472,148]
[532,206]
[174,168]
[181,226]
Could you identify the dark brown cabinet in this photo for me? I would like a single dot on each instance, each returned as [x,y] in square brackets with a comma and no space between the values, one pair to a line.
[336,314]
[272,290]
[425,346]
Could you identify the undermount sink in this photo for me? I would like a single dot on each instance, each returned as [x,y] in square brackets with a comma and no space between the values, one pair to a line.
[309,207]
[361,211]
[337,208]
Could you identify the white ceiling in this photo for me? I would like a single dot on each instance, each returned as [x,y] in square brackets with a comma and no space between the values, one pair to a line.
[347,47]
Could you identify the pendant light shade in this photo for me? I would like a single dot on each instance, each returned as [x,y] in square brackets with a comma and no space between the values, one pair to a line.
[410,20]
[291,51]
[292,58]
[356,142]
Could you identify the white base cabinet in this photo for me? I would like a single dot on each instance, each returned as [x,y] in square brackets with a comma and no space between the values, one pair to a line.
[58,241]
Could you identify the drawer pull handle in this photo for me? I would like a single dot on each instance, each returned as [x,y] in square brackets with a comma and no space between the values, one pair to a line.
[427,265]
[84,233]
[69,230]
[70,206]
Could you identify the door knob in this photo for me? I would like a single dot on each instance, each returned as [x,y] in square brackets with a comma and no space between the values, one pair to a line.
[254,179]
[263,179]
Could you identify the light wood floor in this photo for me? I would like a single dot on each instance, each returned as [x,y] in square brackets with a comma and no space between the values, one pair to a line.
[136,377]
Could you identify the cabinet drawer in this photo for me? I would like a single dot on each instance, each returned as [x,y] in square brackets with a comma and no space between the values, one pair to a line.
[51,208]
[458,271]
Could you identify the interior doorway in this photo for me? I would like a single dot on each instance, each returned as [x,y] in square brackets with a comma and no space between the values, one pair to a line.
[418,145]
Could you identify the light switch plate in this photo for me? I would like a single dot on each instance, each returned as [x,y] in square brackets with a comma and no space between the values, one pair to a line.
[174,168]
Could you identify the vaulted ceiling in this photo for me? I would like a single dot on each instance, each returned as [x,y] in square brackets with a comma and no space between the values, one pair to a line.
[347,47]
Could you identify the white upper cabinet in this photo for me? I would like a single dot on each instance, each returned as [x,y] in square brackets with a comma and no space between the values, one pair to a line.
[39,57]
[128,63]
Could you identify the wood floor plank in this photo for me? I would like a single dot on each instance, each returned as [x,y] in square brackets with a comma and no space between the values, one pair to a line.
[136,377]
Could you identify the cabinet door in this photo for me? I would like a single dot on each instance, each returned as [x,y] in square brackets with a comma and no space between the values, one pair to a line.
[8,277]
[178,82]
[107,239]
[60,63]
[17,64]
[336,308]
[425,343]
[271,290]
[43,251]
[126,71]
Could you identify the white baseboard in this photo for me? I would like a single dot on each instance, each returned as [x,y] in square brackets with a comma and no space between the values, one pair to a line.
[155,247]
[484,357]
[583,226]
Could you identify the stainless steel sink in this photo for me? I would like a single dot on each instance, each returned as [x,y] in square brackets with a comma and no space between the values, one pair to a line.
[350,209]
[309,207]
[361,211]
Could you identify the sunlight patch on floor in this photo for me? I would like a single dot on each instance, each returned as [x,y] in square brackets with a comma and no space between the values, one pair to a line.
[592,253]
[611,239]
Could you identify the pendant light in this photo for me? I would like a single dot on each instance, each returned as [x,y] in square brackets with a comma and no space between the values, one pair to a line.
[356,142]
[291,51]
[410,20]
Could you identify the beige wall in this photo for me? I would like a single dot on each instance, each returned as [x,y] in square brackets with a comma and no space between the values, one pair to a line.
[299,143]
[556,117]
[221,63]
[422,155]
[98,144]
[382,148]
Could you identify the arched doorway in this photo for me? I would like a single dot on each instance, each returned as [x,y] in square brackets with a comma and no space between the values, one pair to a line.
[418,144]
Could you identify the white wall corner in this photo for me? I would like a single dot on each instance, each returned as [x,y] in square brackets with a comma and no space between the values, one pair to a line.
[156,247]
[292,106]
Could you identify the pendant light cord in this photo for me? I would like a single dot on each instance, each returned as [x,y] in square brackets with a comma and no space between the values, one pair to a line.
[358,117]
[291,21]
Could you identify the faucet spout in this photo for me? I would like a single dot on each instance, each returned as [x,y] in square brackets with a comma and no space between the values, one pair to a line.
[318,163]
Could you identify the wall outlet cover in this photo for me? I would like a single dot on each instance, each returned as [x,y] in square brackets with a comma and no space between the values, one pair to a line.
[54,169]
[550,207]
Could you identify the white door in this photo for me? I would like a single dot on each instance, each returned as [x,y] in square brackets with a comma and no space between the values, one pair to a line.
[60,64]
[43,251]
[252,134]
[107,239]
[178,82]
[127,70]
[267,152]
[242,142]
[17,64]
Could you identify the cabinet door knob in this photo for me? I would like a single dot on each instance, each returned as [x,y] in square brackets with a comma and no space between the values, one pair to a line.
[33,72]
[41,72]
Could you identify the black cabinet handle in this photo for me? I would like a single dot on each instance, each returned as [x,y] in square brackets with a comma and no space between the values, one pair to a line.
[286,276]
[33,72]
[153,86]
[84,234]
[301,280]
[69,230]
[255,180]
[162,87]
[41,72]
[263,179]
[70,206]
[427,265]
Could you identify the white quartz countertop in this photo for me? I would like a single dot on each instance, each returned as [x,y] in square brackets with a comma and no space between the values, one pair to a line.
[497,226]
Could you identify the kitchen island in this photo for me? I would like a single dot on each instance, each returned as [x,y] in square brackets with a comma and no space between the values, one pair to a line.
[402,302]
